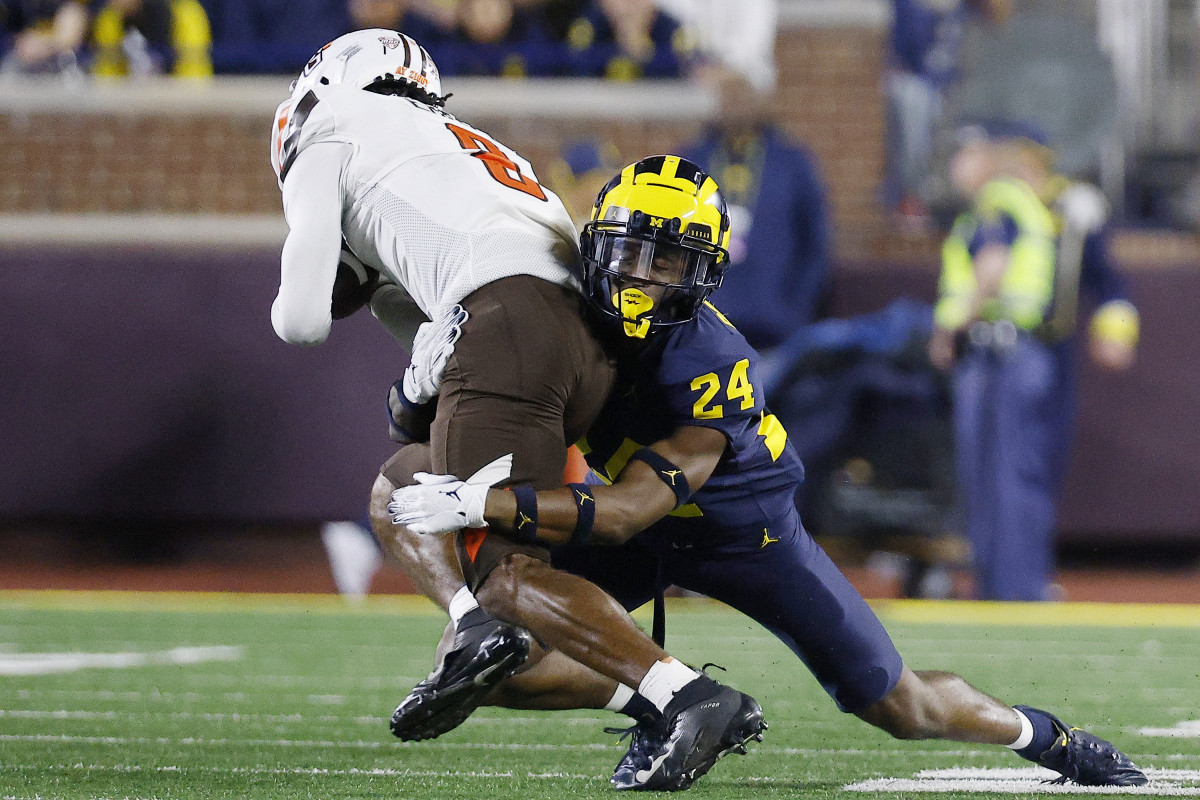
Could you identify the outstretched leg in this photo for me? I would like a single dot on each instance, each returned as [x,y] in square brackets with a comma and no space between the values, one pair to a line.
[793,589]
[941,705]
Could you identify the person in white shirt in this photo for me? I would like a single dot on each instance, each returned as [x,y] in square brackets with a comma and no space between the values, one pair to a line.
[390,198]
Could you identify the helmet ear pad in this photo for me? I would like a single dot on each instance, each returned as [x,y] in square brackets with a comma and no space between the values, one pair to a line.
[389,84]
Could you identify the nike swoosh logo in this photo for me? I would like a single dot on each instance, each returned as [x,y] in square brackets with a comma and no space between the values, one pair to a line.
[643,775]
[481,678]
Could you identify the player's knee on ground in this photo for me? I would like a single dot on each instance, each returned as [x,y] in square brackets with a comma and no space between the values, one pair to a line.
[914,708]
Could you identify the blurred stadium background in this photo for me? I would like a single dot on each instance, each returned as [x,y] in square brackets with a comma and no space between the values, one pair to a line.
[156,433]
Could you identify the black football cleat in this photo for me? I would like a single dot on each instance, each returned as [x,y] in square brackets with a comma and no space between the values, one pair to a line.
[704,722]
[644,739]
[483,655]
[1087,760]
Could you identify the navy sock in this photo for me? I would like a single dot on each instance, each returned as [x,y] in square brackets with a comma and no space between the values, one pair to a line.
[640,709]
[1045,733]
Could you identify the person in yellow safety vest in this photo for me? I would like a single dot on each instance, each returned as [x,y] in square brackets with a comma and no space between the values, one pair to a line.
[1012,269]
[144,37]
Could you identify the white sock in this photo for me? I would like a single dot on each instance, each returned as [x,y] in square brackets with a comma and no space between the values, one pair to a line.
[664,679]
[462,603]
[1026,732]
[620,698]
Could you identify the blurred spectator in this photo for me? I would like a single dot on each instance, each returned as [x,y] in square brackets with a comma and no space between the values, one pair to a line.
[272,36]
[426,22]
[923,63]
[626,40]
[780,244]
[499,37]
[738,36]
[580,172]
[147,37]
[1011,271]
[47,36]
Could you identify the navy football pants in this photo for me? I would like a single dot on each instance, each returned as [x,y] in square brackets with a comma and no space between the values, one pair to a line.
[790,587]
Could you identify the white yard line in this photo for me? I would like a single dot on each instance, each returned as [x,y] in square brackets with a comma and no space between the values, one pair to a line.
[1026,780]
[59,663]
[1185,729]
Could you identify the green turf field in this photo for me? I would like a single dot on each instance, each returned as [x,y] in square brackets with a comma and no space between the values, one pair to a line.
[112,695]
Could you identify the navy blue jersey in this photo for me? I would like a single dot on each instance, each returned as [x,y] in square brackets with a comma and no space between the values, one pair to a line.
[739,539]
[702,373]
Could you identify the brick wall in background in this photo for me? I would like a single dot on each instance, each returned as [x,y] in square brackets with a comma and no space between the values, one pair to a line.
[167,164]
[829,98]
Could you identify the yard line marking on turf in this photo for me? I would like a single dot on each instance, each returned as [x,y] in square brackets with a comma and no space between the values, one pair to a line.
[59,663]
[1184,729]
[1026,780]
[385,772]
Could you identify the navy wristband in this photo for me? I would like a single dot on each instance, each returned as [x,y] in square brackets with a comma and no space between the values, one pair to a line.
[525,521]
[667,472]
[585,504]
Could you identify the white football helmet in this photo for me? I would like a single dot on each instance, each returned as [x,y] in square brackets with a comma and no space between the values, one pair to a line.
[374,55]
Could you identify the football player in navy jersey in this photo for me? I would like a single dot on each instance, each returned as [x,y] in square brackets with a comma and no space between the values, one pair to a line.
[693,485]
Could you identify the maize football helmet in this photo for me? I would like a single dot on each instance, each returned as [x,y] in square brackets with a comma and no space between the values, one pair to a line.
[655,247]
[375,59]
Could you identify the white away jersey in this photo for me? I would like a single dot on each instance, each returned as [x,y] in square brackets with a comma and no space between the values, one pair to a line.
[438,207]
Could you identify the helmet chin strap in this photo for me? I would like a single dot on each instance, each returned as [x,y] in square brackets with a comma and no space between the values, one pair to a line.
[635,306]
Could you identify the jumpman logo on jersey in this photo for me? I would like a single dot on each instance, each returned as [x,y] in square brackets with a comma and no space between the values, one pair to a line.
[766,539]
[670,473]
[584,497]
[524,519]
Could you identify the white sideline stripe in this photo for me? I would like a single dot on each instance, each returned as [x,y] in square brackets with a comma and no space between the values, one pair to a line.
[58,663]
[1026,780]
[1185,729]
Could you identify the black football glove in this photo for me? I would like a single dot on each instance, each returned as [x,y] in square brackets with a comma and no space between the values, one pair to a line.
[353,286]
[408,422]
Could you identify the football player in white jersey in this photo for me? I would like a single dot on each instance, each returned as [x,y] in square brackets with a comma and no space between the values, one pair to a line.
[388,197]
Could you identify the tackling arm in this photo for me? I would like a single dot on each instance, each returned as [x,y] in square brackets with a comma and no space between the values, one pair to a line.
[637,499]
[312,204]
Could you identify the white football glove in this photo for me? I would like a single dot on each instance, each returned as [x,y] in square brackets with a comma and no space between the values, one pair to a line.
[443,503]
[432,348]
